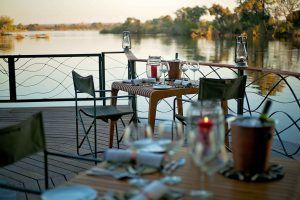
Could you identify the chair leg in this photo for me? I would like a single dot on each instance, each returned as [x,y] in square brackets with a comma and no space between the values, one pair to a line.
[86,132]
[95,137]
[226,141]
[117,135]
[123,122]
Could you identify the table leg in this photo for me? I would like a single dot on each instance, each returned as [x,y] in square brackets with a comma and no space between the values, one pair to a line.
[179,105]
[114,92]
[152,112]
[111,132]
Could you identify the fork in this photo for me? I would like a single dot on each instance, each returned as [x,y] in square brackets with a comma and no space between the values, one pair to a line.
[96,171]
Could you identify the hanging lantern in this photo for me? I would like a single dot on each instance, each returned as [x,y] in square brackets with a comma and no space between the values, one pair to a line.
[126,43]
[241,55]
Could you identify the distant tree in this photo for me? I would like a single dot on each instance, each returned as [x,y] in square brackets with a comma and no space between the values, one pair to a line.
[6,23]
[96,25]
[132,24]
[20,26]
[284,10]
[33,27]
[286,7]
[253,13]
[225,21]
[190,14]
[162,24]
[187,20]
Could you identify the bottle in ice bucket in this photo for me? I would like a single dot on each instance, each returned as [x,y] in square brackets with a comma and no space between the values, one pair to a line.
[152,67]
[252,142]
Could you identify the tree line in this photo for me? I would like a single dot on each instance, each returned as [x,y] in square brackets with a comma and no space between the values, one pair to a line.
[273,17]
[277,18]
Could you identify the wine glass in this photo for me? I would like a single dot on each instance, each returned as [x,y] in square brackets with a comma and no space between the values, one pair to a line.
[206,139]
[164,68]
[184,66]
[138,136]
[194,66]
[170,137]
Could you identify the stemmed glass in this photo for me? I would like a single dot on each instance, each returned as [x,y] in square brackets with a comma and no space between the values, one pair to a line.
[206,139]
[170,137]
[138,136]
[164,68]
[194,66]
[184,66]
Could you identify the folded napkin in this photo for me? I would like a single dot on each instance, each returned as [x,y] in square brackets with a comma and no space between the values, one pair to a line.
[133,81]
[155,190]
[182,83]
[140,158]
[149,80]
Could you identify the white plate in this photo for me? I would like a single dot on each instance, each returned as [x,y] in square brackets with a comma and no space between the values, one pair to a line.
[161,87]
[74,192]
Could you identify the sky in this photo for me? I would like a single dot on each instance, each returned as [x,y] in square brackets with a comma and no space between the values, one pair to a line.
[89,11]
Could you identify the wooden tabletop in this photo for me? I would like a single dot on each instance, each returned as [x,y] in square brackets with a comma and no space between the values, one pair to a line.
[223,188]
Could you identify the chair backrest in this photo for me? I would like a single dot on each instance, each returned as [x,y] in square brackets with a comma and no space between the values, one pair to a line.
[22,139]
[223,89]
[83,84]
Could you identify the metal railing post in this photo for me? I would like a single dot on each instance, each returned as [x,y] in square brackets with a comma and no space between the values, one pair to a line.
[240,102]
[131,69]
[131,75]
[12,78]
[102,76]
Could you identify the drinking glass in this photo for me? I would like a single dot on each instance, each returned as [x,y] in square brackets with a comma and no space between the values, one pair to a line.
[164,68]
[137,136]
[184,66]
[206,135]
[194,66]
[170,137]
[152,71]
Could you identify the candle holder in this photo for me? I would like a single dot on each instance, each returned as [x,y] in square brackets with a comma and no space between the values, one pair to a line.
[152,67]
[206,135]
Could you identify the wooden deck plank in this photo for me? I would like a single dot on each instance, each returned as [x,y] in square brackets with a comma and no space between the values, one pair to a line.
[59,124]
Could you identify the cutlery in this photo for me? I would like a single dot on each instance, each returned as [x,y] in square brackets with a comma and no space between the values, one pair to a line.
[172,166]
[104,172]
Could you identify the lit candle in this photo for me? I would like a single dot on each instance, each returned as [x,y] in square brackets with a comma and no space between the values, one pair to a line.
[153,71]
[204,127]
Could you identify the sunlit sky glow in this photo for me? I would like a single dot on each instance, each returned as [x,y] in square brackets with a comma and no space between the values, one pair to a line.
[88,11]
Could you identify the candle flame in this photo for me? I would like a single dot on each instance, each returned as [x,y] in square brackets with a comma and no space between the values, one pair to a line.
[205,119]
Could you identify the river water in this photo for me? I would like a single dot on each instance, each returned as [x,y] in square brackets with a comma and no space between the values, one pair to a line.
[277,54]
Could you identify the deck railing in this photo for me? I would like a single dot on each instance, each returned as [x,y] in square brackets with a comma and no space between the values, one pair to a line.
[281,87]
[47,78]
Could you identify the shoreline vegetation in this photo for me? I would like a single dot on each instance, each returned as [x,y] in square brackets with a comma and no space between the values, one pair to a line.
[264,19]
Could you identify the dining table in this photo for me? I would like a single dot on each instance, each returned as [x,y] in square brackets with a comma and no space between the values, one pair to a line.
[287,187]
[154,95]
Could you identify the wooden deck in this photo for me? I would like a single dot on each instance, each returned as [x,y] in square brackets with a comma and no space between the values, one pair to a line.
[59,123]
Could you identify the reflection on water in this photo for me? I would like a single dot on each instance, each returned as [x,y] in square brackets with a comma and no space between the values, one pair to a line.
[6,44]
[283,55]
